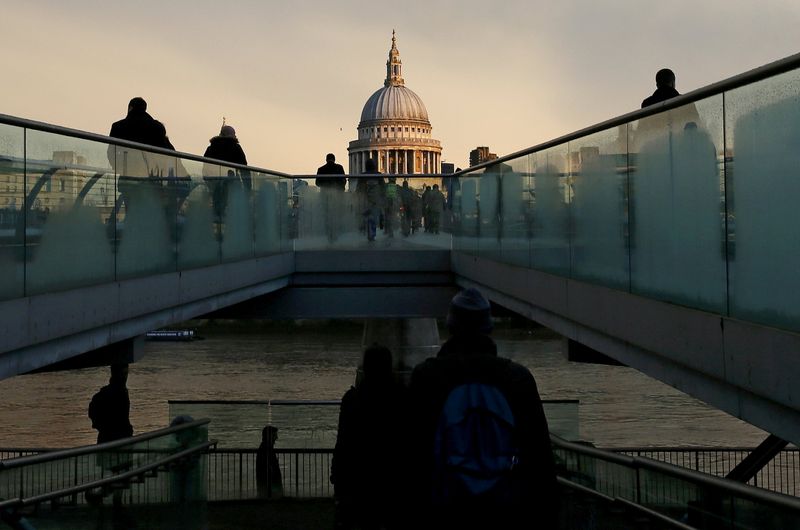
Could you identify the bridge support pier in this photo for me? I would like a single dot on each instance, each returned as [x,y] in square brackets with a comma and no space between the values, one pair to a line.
[411,340]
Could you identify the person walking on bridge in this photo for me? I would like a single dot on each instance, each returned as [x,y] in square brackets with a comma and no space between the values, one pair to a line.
[331,188]
[481,447]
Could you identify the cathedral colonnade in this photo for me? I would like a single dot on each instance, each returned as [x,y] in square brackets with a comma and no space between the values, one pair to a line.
[394,129]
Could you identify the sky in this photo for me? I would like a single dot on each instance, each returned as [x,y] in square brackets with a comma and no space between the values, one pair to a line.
[293,76]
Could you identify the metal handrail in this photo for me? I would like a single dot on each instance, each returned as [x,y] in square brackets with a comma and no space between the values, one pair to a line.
[122,477]
[84,135]
[757,74]
[97,448]
[625,502]
[689,475]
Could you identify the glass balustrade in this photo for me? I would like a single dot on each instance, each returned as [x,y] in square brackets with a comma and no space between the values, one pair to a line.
[694,205]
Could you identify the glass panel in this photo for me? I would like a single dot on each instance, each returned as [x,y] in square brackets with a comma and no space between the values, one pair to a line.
[763,134]
[69,218]
[198,224]
[465,213]
[516,200]
[549,215]
[489,211]
[268,207]
[12,220]
[599,167]
[231,191]
[677,205]
[146,211]
[399,215]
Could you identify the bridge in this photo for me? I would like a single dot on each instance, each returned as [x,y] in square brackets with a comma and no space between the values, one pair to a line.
[664,239]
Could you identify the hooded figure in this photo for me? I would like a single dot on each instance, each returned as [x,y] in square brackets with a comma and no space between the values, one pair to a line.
[226,147]
[470,406]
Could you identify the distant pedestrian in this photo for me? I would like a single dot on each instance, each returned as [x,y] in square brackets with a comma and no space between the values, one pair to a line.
[367,466]
[220,180]
[109,411]
[371,193]
[225,146]
[473,410]
[435,207]
[665,88]
[139,126]
[110,407]
[674,121]
[332,193]
[268,472]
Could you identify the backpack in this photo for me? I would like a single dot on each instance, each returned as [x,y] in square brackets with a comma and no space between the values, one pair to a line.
[476,449]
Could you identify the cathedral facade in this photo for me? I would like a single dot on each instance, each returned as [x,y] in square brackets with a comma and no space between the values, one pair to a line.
[395,129]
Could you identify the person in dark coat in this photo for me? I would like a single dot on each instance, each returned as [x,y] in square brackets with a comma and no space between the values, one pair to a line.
[110,407]
[225,147]
[331,168]
[332,194]
[139,126]
[469,359]
[268,471]
[372,194]
[665,88]
[367,459]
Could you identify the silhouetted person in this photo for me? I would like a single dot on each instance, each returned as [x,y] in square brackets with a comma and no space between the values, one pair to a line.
[139,126]
[475,410]
[665,88]
[225,146]
[331,168]
[110,407]
[435,206]
[268,471]
[332,190]
[109,411]
[366,470]
[371,196]
[406,201]
[133,165]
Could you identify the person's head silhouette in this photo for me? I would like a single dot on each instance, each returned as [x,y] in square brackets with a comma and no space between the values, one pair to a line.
[370,166]
[665,77]
[330,157]
[269,435]
[469,313]
[137,104]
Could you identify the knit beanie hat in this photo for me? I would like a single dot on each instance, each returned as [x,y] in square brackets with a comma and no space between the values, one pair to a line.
[470,312]
[227,131]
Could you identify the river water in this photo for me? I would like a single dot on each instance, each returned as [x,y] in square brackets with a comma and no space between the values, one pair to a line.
[619,407]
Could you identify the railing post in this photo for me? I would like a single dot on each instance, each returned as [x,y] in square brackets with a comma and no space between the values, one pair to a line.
[297,474]
[241,475]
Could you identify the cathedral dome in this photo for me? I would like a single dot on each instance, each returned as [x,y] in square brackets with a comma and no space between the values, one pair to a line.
[394,102]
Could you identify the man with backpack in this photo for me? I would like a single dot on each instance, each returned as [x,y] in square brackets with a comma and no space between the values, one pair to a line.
[482,457]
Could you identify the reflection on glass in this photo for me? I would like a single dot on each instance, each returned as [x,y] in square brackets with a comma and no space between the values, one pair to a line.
[147,191]
[197,222]
[599,208]
[69,210]
[406,213]
[516,201]
[12,223]
[677,200]
[549,216]
[763,131]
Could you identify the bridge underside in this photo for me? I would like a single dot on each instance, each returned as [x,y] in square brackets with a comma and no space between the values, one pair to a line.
[745,369]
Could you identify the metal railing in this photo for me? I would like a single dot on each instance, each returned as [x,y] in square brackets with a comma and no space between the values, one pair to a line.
[65,473]
[683,495]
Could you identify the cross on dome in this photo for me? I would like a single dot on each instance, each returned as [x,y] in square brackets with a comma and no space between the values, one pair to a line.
[394,66]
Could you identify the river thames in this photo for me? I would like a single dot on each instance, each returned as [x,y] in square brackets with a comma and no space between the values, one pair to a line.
[619,407]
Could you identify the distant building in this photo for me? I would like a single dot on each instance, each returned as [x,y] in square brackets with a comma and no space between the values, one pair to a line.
[395,129]
[448,168]
[480,155]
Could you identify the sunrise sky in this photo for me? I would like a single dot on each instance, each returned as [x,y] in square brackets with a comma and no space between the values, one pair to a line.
[293,76]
